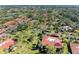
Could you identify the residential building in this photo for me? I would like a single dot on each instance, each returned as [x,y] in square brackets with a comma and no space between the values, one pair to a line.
[74,48]
[52,40]
[7,43]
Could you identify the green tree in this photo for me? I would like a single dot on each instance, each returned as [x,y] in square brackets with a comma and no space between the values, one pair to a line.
[51,49]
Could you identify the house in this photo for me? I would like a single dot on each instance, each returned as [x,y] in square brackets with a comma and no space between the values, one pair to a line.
[3,35]
[74,48]
[21,20]
[65,28]
[2,31]
[9,23]
[10,26]
[7,43]
[52,40]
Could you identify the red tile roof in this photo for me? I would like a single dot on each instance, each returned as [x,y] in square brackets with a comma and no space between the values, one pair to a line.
[74,48]
[7,43]
[10,23]
[52,41]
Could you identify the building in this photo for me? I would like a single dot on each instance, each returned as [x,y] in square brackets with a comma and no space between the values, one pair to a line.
[9,23]
[2,31]
[52,40]
[21,20]
[3,35]
[65,28]
[74,48]
[7,43]
[11,26]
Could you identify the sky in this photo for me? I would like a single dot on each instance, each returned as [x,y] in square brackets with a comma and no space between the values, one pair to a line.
[39,2]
